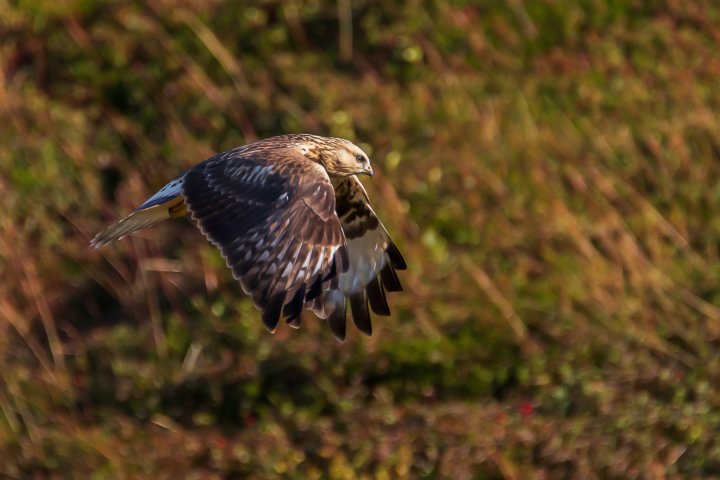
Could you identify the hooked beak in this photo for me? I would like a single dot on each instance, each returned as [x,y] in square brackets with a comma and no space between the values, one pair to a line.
[369,171]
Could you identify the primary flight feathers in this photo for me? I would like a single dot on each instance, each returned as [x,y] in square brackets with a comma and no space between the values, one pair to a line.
[293,223]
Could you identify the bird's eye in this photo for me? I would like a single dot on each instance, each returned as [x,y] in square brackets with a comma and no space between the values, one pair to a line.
[360,158]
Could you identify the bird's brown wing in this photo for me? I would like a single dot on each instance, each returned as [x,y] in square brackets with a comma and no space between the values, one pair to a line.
[272,215]
[373,259]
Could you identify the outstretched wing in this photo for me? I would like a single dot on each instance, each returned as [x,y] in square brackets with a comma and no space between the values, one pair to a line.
[372,263]
[272,215]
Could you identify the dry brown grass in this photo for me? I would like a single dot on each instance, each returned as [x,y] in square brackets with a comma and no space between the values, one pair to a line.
[550,169]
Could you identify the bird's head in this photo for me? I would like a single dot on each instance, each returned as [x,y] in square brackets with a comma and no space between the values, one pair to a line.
[340,157]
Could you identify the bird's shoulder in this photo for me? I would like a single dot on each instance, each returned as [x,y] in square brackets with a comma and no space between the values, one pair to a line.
[353,207]
[256,161]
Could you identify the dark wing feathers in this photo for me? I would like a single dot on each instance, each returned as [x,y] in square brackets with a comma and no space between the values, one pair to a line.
[272,309]
[360,313]
[337,322]
[293,308]
[396,259]
[376,296]
[272,216]
[372,261]
[334,307]
[390,279]
[289,235]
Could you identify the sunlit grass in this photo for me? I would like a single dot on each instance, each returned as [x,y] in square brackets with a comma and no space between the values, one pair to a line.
[550,171]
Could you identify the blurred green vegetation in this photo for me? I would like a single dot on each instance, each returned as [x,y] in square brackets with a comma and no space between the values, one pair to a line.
[550,169]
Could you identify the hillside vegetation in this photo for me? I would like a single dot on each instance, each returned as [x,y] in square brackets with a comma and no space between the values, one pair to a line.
[550,169]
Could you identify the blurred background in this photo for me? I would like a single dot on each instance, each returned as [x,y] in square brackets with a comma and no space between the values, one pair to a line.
[550,169]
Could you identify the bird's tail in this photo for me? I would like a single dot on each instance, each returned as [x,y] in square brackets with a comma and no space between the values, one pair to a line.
[140,219]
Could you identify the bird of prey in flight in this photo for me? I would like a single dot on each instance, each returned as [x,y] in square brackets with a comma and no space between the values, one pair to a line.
[293,223]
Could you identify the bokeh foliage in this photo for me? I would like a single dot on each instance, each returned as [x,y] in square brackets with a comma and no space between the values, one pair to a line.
[551,169]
